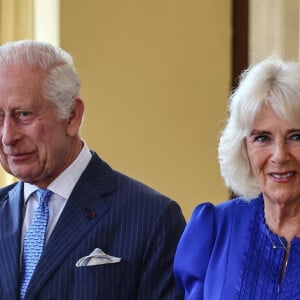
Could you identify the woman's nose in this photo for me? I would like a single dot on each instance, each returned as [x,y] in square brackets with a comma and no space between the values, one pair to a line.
[280,152]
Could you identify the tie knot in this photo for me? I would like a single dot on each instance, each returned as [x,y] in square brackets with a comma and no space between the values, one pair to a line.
[44,196]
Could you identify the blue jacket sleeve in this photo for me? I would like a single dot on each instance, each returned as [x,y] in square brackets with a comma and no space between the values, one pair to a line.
[194,250]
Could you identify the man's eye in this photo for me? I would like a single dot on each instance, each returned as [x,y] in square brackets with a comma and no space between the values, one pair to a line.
[24,115]
[2,116]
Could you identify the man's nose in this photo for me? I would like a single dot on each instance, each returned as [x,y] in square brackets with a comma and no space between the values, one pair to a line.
[9,131]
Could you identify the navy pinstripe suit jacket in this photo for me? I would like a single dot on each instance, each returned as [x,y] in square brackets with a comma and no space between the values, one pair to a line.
[106,210]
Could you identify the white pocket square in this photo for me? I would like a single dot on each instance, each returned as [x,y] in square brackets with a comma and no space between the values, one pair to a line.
[97,257]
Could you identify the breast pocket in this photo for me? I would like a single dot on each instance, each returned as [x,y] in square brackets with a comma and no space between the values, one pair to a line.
[108,281]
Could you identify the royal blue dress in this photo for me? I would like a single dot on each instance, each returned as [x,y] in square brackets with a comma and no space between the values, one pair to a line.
[228,252]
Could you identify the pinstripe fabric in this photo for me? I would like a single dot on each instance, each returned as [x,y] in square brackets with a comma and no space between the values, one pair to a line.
[10,230]
[110,211]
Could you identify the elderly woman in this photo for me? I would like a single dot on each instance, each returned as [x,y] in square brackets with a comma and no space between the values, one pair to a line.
[249,247]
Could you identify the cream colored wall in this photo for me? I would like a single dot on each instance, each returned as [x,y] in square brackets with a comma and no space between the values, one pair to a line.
[155,77]
[274,29]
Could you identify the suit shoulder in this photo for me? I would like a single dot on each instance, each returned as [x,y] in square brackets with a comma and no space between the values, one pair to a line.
[136,190]
[134,186]
[5,190]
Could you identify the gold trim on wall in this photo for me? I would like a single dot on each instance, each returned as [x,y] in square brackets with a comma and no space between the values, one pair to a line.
[16,22]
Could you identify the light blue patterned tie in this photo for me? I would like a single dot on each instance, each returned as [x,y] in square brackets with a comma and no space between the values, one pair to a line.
[34,239]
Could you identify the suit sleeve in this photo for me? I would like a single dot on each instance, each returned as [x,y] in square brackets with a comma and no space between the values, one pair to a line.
[193,252]
[157,280]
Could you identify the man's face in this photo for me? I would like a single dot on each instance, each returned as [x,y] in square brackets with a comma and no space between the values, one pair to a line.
[35,144]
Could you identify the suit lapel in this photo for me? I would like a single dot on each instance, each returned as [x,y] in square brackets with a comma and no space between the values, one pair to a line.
[11,224]
[82,212]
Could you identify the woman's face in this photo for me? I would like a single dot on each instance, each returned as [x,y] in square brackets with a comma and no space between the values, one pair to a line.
[273,149]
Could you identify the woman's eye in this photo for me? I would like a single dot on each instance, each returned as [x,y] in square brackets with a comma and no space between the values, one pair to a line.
[296,137]
[261,138]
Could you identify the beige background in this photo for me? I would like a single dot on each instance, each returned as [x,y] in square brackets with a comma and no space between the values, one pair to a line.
[155,77]
[155,80]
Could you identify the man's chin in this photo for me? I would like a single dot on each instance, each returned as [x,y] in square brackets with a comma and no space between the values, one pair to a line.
[22,175]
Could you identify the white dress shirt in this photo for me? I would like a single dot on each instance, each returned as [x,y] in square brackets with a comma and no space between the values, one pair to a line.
[61,187]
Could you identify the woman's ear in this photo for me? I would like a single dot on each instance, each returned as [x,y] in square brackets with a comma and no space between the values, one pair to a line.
[76,117]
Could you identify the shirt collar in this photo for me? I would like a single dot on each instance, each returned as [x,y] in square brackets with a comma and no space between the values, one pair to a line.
[70,176]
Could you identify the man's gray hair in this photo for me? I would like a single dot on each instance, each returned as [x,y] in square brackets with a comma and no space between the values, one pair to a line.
[60,82]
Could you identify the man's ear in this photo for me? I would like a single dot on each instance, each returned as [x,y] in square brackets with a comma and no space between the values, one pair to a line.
[75,118]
